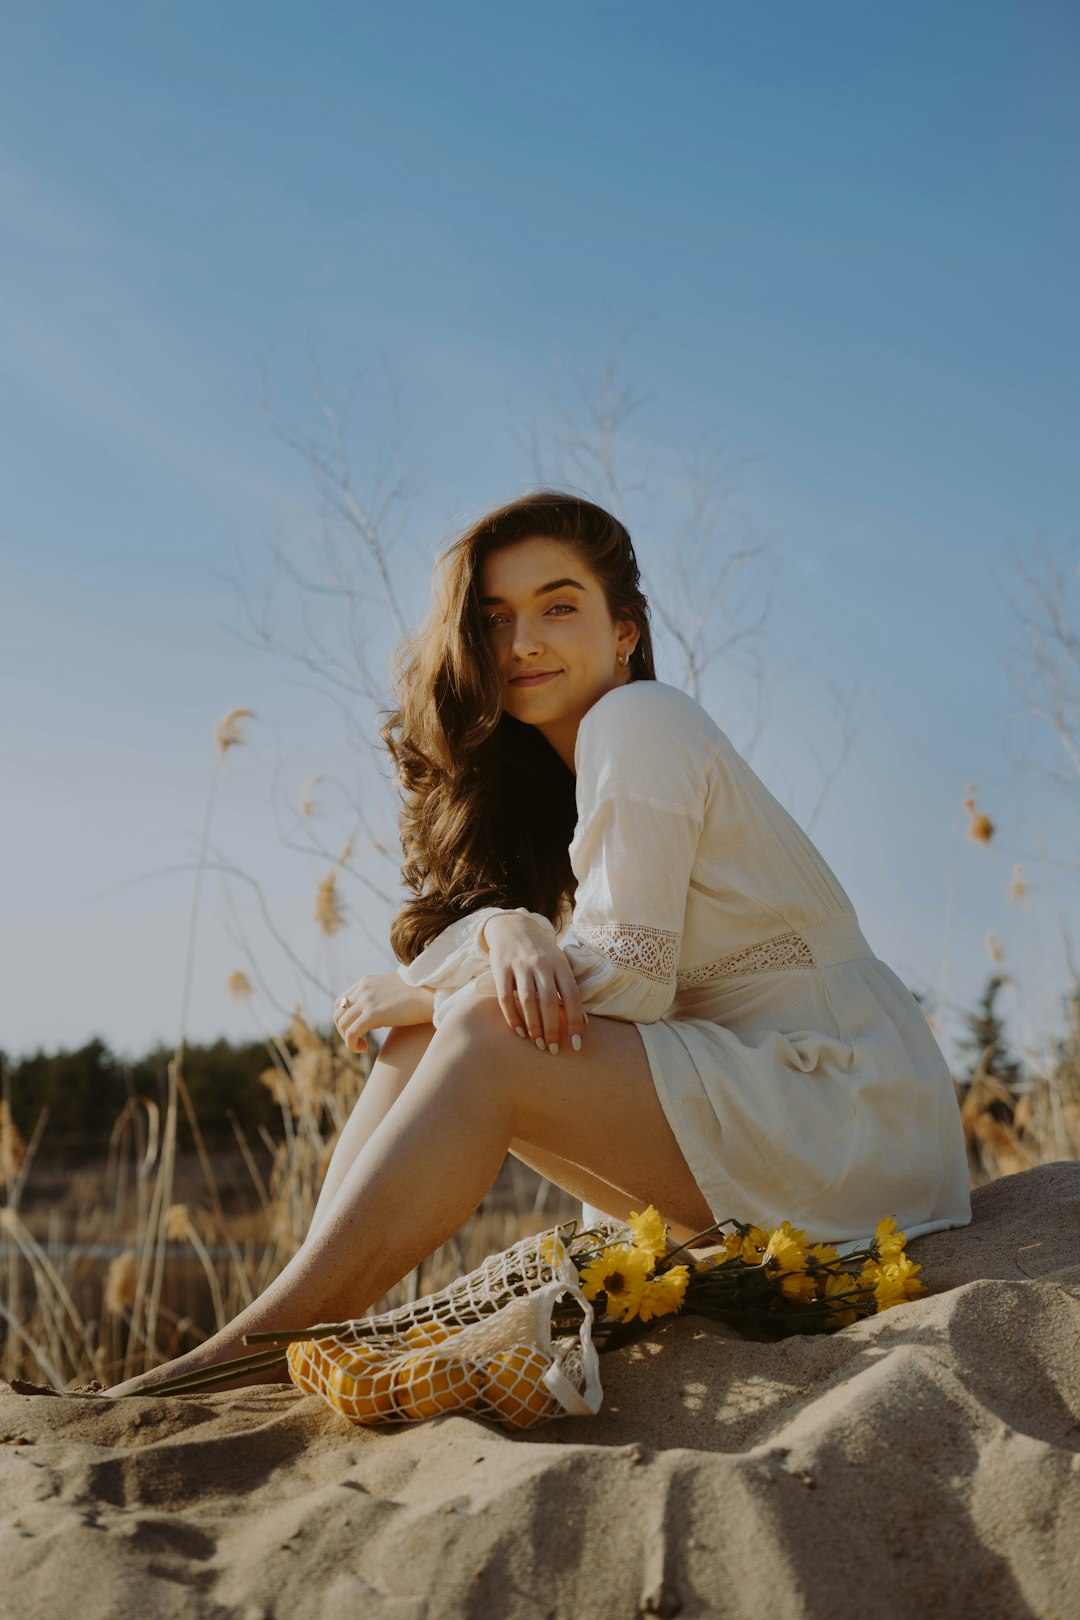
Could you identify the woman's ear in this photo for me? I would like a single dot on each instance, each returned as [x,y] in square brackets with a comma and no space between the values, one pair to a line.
[629,636]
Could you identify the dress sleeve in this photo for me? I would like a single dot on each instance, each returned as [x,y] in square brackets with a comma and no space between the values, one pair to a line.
[643,782]
[457,957]
[642,792]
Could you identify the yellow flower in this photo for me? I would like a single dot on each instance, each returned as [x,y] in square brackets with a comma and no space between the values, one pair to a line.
[661,1295]
[749,1246]
[887,1240]
[839,1283]
[732,1246]
[619,1272]
[650,1233]
[552,1248]
[897,1282]
[823,1253]
[798,1285]
[786,1247]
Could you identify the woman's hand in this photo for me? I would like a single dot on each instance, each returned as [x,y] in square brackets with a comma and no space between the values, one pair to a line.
[534,981]
[379,999]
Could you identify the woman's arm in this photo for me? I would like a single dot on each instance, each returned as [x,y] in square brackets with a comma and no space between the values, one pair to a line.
[633,857]
[645,775]
[380,1001]
[459,955]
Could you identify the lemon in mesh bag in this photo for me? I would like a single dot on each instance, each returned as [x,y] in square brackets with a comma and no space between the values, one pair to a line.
[484,1344]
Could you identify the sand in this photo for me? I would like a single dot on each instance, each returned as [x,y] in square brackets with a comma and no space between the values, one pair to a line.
[924,1462]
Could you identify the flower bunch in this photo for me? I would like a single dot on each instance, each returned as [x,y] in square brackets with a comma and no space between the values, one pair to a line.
[767,1284]
[625,1274]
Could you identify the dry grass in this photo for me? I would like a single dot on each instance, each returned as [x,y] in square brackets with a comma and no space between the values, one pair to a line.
[128,1263]
[146,1258]
[110,1271]
[106,1272]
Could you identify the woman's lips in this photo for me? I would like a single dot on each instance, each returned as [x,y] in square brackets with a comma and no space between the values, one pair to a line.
[534,680]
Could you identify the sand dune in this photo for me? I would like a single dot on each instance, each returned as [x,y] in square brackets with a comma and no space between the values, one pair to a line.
[925,1462]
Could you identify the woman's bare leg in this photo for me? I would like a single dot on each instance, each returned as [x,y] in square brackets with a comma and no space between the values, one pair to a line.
[590,1189]
[434,1155]
[401,1050]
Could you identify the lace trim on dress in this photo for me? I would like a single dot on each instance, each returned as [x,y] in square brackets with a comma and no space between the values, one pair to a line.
[652,952]
[788,950]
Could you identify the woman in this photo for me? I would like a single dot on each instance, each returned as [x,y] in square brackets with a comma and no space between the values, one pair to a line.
[581,838]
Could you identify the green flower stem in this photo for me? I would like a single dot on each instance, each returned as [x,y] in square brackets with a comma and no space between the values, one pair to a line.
[323,1330]
[216,1373]
[710,1231]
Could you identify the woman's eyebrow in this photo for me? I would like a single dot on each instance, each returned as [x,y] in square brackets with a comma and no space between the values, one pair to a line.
[541,590]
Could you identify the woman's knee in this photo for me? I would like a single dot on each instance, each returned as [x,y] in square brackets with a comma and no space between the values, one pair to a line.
[403,1037]
[476,1020]
[479,1042]
[403,1045]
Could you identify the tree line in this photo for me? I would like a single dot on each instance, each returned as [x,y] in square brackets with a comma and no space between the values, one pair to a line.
[86,1090]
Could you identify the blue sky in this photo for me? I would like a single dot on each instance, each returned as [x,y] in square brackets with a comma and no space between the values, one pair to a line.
[839,241]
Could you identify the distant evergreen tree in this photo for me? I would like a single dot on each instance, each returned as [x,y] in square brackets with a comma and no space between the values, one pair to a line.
[986,1041]
[1065,1071]
[83,1091]
[86,1090]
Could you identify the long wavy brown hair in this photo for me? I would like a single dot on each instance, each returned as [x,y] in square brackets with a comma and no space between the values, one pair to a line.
[488,807]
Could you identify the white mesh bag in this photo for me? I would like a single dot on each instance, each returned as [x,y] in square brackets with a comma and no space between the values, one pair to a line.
[484,1344]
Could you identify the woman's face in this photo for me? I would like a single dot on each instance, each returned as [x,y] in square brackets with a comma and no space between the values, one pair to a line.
[546,614]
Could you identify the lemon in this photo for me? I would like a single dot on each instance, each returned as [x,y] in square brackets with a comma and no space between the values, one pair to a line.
[513,1387]
[360,1384]
[428,1382]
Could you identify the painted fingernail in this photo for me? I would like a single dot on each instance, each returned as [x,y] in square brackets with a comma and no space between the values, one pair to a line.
[540,1042]
[575,1042]
[519,1031]
[553,1047]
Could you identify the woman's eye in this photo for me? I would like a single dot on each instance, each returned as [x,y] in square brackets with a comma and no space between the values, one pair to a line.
[494,618]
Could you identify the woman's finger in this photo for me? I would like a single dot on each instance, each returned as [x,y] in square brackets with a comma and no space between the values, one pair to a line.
[508,1003]
[350,1022]
[572,1008]
[529,1002]
[548,997]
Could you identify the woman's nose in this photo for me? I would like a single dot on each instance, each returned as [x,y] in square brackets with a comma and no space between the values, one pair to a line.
[525,639]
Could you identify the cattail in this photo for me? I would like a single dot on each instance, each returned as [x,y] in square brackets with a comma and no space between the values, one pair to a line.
[311,807]
[120,1283]
[1017,888]
[980,827]
[176,1223]
[239,986]
[995,950]
[12,1146]
[228,732]
[328,912]
[277,1084]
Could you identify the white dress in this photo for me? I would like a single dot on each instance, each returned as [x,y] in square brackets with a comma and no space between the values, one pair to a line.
[797,1071]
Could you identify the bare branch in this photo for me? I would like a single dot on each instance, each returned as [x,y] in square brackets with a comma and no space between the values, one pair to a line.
[849,731]
[1048,679]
